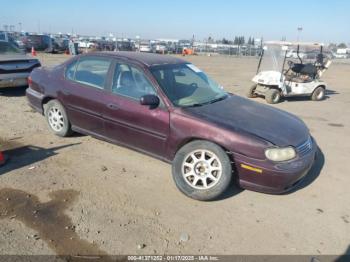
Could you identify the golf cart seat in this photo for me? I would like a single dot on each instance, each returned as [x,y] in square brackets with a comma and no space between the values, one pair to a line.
[305,69]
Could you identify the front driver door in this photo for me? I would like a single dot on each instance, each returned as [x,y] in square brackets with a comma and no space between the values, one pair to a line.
[126,120]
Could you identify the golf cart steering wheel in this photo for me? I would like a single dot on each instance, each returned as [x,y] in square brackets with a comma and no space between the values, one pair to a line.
[290,63]
[194,85]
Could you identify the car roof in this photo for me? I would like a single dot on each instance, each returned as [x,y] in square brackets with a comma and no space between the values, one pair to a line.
[147,59]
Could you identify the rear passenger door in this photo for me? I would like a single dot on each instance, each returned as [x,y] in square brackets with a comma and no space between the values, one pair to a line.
[126,120]
[85,93]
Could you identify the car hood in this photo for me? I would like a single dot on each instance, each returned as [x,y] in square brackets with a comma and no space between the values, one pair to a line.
[242,115]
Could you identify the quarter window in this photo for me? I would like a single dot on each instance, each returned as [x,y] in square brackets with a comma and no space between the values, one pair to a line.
[92,71]
[131,82]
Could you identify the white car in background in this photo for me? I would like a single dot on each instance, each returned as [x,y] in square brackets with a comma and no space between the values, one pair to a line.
[294,54]
[339,56]
[161,48]
[146,47]
[83,44]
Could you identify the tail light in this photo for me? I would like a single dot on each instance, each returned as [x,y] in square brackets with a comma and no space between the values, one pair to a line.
[30,81]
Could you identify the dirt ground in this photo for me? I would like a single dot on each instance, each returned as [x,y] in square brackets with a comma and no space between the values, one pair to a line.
[82,194]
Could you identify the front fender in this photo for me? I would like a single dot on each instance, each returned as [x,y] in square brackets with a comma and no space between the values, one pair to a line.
[184,128]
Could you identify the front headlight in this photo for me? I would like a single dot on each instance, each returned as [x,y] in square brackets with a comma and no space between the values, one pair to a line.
[280,154]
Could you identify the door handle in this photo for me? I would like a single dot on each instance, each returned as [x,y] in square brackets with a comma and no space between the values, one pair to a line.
[112,106]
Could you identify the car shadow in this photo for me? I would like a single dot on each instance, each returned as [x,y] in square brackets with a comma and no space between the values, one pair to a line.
[27,155]
[345,257]
[312,175]
[13,91]
[330,92]
[233,190]
[328,95]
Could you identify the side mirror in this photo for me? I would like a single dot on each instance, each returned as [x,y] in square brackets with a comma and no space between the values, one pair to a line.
[150,100]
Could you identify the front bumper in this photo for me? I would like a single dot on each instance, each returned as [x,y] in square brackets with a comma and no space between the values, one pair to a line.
[13,80]
[273,178]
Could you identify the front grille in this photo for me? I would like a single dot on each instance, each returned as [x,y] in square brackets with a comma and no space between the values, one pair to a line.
[305,147]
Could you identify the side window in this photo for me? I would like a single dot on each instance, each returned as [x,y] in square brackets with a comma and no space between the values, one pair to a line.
[131,82]
[92,71]
[70,70]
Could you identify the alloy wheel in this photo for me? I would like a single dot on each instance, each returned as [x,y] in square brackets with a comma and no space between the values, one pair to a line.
[201,169]
[56,119]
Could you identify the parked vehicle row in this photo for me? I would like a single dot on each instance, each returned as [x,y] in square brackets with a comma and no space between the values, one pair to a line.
[15,65]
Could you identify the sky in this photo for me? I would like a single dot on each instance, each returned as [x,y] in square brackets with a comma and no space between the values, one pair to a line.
[322,20]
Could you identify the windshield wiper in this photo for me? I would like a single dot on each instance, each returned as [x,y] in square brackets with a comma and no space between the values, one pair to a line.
[217,99]
[208,102]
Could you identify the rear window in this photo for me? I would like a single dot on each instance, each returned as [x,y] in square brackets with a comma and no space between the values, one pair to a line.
[89,71]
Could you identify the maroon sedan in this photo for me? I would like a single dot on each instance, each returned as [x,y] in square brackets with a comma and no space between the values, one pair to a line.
[168,108]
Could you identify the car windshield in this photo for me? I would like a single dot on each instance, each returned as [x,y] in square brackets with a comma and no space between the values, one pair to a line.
[8,48]
[186,85]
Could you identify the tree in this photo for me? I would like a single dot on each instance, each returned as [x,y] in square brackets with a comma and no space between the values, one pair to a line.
[241,40]
[210,39]
[342,45]
[225,41]
[250,40]
[332,47]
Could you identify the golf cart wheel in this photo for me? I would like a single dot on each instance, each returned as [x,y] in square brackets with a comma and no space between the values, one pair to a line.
[273,96]
[57,118]
[318,94]
[202,170]
[251,91]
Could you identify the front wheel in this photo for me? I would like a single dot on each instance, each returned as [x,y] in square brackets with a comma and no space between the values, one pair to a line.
[273,96]
[202,170]
[318,94]
[57,118]
[251,91]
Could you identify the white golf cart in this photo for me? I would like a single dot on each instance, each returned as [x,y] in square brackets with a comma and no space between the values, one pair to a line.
[301,78]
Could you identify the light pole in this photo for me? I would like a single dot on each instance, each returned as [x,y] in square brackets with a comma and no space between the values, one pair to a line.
[300,29]
[138,42]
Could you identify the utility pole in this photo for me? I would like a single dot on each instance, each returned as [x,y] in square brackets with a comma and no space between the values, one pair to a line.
[300,29]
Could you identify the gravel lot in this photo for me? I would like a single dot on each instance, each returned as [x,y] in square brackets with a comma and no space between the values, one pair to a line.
[82,194]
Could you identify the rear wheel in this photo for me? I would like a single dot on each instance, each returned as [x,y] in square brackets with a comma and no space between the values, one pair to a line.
[202,170]
[57,118]
[251,91]
[318,94]
[273,96]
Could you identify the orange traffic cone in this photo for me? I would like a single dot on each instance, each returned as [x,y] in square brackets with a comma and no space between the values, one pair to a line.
[33,51]
[2,159]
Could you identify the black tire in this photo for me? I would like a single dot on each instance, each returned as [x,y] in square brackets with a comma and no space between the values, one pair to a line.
[250,93]
[273,96]
[318,94]
[218,187]
[63,127]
